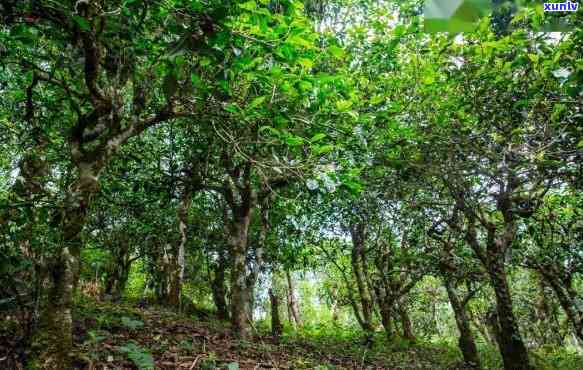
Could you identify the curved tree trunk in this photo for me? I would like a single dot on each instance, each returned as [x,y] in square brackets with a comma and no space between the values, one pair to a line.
[466,340]
[508,337]
[568,300]
[546,315]
[54,335]
[512,348]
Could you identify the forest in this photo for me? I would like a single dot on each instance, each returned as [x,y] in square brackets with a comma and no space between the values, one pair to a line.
[289,184]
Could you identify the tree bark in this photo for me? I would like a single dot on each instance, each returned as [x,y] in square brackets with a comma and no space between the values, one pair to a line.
[238,243]
[334,305]
[546,315]
[291,300]
[385,308]
[358,235]
[54,335]
[567,298]
[276,326]
[512,348]
[466,340]
[406,323]
[387,319]
[219,289]
[118,271]
[252,276]
[509,339]
[117,280]
[177,260]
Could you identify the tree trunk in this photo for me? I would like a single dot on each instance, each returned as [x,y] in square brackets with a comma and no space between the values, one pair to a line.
[510,343]
[291,300]
[385,309]
[238,243]
[406,323]
[117,280]
[334,308]
[567,298]
[54,335]
[118,271]
[178,263]
[466,340]
[251,279]
[546,315]
[387,319]
[512,348]
[335,312]
[358,234]
[219,289]
[483,330]
[276,326]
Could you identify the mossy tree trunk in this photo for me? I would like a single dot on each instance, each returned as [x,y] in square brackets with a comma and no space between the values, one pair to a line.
[53,339]
[239,298]
[358,262]
[177,262]
[567,296]
[219,290]
[406,323]
[466,341]
[292,303]
[276,325]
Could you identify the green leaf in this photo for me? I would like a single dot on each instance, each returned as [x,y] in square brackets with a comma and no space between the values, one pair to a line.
[249,5]
[299,41]
[305,62]
[233,366]
[317,137]
[343,105]
[82,23]
[139,356]
[305,86]
[323,149]
[131,323]
[29,77]
[196,81]
[377,99]
[293,140]
[336,51]
[231,108]
[428,80]
[256,102]
[272,130]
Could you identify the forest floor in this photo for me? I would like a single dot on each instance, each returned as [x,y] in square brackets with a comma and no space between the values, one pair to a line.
[127,336]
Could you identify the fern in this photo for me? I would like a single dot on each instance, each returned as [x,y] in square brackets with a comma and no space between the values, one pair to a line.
[138,355]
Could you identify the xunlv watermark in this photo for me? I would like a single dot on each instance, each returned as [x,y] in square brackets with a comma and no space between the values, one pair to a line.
[465,15]
[561,7]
